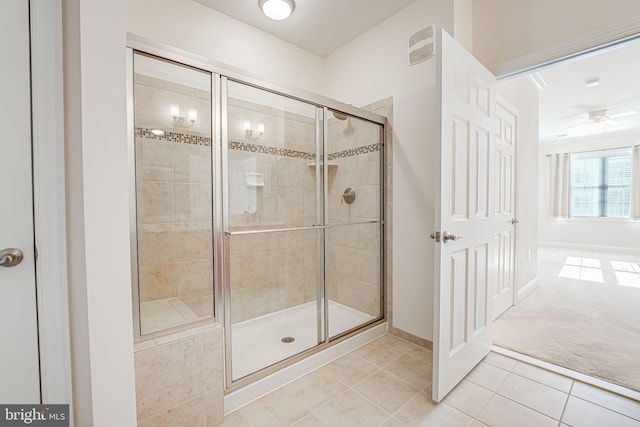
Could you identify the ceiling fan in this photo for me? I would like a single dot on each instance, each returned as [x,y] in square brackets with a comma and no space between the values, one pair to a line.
[598,119]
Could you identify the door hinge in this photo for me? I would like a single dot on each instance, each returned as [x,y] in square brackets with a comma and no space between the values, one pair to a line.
[35,253]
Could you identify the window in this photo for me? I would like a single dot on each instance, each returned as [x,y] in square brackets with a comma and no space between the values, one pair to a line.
[601,186]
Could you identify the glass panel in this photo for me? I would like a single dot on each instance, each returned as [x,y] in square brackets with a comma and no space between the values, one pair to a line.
[274,298]
[272,155]
[354,210]
[275,278]
[172,109]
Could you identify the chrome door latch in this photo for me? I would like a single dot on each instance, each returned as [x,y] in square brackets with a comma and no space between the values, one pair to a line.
[446,237]
[514,221]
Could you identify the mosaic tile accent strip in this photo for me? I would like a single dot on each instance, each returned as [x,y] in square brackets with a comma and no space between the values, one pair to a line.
[173,137]
[264,149]
[355,151]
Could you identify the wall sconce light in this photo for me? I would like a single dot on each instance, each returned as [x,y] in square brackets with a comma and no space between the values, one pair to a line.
[183,121]
[253,133]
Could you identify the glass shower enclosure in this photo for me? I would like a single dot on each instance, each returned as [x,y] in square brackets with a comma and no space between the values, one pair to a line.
[256,206]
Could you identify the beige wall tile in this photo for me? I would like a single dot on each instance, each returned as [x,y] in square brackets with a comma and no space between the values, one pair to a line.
[156,244]
[168,374]
[192,163]
[157,282]
[193,202]
[194,278]
[214,407]
[154,160]
[194,241]
[189,413]
[155,201]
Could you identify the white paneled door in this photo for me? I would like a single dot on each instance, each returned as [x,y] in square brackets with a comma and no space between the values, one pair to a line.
[505,216]
[19,362]
[464,217]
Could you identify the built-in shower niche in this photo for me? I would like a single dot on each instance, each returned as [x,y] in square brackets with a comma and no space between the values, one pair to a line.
[173,188]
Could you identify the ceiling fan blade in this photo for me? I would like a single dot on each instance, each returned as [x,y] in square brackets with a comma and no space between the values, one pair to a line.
[582,123]
[625,114]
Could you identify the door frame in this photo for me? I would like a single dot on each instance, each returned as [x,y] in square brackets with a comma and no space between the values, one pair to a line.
[49,199]
[504,102]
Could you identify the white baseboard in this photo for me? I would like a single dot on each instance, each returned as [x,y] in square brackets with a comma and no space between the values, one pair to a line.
[616,249]
[527,290]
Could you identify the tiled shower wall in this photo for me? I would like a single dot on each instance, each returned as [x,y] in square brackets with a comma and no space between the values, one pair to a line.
[180,378]
[354,250]
[174,206]
[274,271]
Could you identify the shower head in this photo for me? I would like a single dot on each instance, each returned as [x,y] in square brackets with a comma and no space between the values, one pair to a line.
[339,116]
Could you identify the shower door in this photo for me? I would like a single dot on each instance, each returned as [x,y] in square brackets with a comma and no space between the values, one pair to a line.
[273,226]
[354,207]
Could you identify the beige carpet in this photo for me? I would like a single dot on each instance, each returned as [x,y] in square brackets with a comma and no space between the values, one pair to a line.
[591,328]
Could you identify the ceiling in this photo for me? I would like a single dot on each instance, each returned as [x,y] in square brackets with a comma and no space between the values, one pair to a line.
[322,26]
[318,26]
[565,103]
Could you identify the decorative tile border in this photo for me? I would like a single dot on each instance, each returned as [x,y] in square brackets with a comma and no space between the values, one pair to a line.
[263,149]
[254,148]
[173,137]
[355,151]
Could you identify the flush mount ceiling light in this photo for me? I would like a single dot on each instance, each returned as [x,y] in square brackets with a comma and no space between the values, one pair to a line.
[277,9]
[592,82]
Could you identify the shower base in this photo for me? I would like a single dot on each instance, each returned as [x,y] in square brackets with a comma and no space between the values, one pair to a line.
[260,342]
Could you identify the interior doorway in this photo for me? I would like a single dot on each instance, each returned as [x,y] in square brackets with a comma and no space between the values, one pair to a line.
[587,258]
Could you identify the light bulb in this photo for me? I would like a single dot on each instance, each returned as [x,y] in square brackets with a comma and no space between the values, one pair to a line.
[260,128]
[174,109]
[246,125]
[192,114]
[277,9]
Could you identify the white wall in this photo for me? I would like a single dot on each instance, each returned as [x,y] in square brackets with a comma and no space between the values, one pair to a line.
[200,30]
[375,66]
[98,213]
[507,29]
[524,97]
[610,232]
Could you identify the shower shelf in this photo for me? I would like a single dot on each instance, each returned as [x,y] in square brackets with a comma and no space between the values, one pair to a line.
[331,165]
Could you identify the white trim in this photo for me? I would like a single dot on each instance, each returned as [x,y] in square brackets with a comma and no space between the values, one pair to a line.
[570,50]
[49,199]
[254,391]
[616,249]
[577,376]
[527,290]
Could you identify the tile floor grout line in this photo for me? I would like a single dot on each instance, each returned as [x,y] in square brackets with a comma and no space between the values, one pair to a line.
[566,403]
[528,407]
[607,408]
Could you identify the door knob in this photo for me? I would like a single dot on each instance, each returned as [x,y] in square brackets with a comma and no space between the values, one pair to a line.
[446,237]
[10,257]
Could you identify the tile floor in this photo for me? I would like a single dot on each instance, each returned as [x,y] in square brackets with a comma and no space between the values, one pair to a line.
[388,381]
